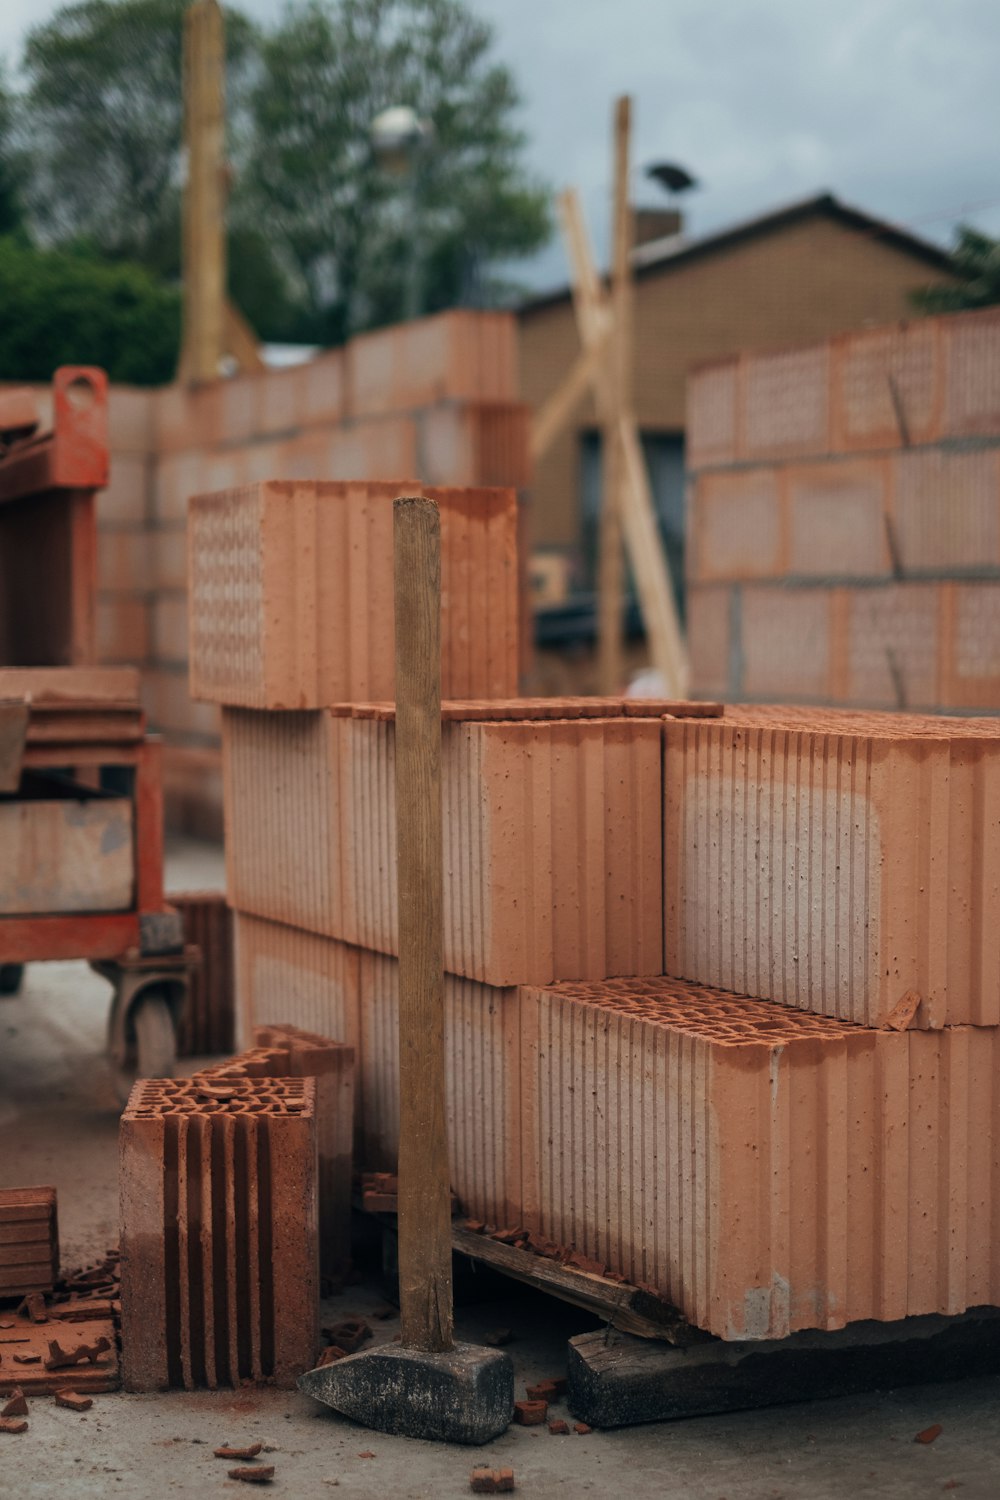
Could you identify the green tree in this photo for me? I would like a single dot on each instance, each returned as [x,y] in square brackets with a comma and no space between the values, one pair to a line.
[976,260]
[62,307]
[103,121]
[346,226]
[11,163]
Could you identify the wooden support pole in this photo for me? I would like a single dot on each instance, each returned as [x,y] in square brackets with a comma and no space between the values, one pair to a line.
[204,241]
[611,561]
[424,1224]
[566,397]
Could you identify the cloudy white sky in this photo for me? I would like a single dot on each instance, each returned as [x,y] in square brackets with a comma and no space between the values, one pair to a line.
[892,104]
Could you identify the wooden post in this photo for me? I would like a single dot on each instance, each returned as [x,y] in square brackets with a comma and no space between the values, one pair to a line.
[611,561]
[204,246]
[424,1223]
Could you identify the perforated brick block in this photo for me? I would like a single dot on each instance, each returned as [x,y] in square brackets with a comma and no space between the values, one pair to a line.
[286,1051]
[837,863]
[290,593]
[207,1023]
[764,1170]
[482,1063]
[220,1272]
[551,846]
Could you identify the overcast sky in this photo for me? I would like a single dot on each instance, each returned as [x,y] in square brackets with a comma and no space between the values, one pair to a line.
[892,104]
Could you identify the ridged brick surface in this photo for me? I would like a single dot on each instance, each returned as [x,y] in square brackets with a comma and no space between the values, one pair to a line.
[551,853]
[291,593]
[288,976]
[483,1089]
[844,870]
[220,1273]
[208,1021]
[283,818]
[286,1051]
[29,1241]
[766,1171]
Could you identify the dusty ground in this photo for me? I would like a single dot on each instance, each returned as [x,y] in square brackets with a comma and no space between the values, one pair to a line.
[58,1123]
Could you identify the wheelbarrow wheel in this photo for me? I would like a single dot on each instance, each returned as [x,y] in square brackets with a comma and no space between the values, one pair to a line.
[154,1051]
[11,978]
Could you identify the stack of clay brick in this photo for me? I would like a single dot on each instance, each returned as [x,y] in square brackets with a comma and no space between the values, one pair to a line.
[434,401]
[722,991]
[844,519]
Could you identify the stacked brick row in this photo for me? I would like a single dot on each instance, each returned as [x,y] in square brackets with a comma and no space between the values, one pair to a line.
[220,1274]
[844,520]
[29,1241]
[433,402]
[723,991]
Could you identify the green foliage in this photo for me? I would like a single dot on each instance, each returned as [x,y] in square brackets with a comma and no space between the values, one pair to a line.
[11,166]
[347,226]
[322,240]
[69,307]
[103,118]
[976,259]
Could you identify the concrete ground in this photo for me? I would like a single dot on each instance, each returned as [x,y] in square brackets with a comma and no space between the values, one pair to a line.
[58,1124]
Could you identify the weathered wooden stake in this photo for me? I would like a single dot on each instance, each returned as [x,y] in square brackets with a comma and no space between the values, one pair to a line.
[424,1224]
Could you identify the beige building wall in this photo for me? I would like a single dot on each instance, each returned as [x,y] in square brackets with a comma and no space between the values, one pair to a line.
[789,284]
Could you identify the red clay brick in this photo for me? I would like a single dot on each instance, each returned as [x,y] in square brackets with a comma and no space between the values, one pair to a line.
[270,629]
[219,1233]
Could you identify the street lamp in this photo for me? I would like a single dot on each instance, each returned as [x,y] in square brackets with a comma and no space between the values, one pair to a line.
[399,140]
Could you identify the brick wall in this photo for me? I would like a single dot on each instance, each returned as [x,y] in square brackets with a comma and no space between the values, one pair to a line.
[844,519]
[431,402]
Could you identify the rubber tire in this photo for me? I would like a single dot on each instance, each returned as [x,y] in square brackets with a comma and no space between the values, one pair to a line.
[11,978]
[155,1049]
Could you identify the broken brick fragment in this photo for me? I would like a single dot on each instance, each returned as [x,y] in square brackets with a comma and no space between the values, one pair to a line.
[13,1424]
[83,1353]
[16,1405]
[559,1428]
[547,1390]
[349,1335]
[73,1401]
[330,1355]
[509,1236]
[482,1482]
[250,1451]
[475,1226]
[27,1359]
[505,1480]
[584,1263]
[582,1428]
[33,1307]
[530,1413]
[929,1434]
[257,1474]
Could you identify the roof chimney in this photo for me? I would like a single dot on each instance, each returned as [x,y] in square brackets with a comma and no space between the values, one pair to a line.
[656,224]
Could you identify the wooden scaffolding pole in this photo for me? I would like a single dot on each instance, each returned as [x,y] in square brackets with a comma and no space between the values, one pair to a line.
[211,326]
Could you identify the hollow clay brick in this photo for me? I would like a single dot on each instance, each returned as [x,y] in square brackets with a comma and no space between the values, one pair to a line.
[711,428]
[785,402]
[882,376]
[738,525]
[551,856]
[765,1170]
[836,862]
[970,646]
[283,817]
[287,976]
[218,1233]
[286,1051]
[207,1022]
[483,1087]
[291,593]
[972,373]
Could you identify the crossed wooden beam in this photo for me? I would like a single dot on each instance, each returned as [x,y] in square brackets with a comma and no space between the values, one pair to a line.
[604,366]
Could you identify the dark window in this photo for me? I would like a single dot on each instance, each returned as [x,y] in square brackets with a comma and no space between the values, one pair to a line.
[664,455]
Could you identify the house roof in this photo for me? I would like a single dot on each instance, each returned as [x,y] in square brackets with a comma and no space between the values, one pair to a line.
[659,256]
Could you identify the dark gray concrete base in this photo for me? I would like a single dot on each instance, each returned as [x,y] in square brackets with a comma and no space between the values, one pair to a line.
[463,1396]
[616,1380]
